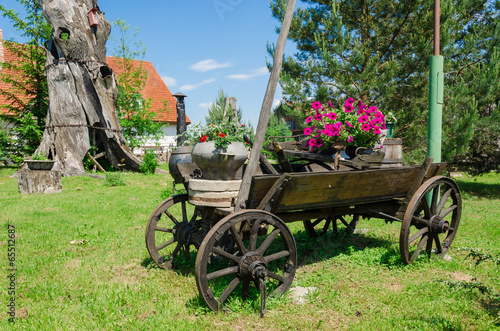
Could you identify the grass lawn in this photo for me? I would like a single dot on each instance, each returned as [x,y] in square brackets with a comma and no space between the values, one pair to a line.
[82,264]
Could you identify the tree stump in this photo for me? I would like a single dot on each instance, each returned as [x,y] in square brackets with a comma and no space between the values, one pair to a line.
[39,181]
[82,89]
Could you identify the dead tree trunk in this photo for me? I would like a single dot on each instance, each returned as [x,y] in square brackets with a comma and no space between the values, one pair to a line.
[82,89]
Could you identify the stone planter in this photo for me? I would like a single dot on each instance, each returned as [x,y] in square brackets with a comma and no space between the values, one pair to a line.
[181,155]
[40,164]
[219,164]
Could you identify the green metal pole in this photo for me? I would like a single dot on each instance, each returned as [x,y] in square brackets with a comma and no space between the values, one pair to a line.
[436,85]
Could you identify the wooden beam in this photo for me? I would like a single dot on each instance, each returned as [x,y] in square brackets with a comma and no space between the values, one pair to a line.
[265,111]
[101,169]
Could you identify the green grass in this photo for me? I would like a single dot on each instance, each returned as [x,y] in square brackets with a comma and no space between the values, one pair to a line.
[82,264]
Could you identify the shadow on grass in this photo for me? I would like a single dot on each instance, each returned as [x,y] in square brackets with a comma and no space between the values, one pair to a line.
[309,251]
[492,306]
[479,189]
[344,242]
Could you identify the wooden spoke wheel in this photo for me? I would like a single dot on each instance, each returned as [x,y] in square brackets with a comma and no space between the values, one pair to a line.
[169,228]
[320,226]
[231,258]
[431,220]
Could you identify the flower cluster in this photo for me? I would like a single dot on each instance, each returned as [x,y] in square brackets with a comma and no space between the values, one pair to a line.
[357,124]
[223,135]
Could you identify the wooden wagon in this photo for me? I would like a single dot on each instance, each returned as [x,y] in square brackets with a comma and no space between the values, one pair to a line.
[255,246]
[252,244]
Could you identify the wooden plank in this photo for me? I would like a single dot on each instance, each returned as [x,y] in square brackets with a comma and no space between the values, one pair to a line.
[415,185]
[273,196]
[283,161]
[101,169]
[265,111]
[336,188]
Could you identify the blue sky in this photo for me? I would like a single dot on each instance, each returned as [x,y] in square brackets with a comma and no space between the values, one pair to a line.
[199,46]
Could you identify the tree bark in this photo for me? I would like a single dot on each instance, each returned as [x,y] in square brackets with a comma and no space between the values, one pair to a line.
[82,90]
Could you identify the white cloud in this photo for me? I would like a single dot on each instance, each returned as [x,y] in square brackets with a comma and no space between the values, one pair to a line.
[169,81]
[209,64]
[190,87]
[205,105]
[262,71]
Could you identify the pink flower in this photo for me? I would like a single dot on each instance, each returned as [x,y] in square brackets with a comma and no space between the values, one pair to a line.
[350,100]
[377,120]
[315,142]
[308,131]
[350,139]
[309,119]
[330,104]
[332,116]
[328,133]
[363,118]
[376,130]
[318,117]
[372,109]
[366,127]
[348,107]
[348,124]
[379,115]
[316,105]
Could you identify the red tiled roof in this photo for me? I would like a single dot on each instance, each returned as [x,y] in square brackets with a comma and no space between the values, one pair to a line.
[7,57]
[155,88]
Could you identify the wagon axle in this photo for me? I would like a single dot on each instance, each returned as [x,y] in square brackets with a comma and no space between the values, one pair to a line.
[438,225]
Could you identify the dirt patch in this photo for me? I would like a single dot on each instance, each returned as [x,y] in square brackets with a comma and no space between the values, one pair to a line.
[73,264]
[22,313]
[129,274]
[461,277]
[396,287]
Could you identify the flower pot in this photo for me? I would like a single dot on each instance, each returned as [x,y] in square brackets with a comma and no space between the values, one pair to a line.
[390,129]
[40,164]
[219,163]
[181,155]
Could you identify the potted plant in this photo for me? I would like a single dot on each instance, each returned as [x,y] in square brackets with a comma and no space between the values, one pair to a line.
[39,162]
[219,150]
[390,123]
[356,125]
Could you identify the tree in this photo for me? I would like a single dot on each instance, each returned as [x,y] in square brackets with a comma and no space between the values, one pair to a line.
[136,116]
[82,89]
[221,111]
[26,89]
[378,51]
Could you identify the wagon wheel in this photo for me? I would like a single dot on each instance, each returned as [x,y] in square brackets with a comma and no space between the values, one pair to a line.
[228,262]
[168,230]
[320,226]
[431,219]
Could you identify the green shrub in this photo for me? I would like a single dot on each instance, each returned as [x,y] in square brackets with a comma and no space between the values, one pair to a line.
[149,162]
[113,179]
